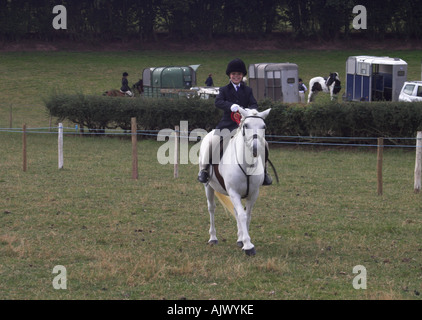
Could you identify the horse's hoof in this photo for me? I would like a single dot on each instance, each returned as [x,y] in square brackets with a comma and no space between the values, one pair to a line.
[213,242]
[239,244]
[250,252]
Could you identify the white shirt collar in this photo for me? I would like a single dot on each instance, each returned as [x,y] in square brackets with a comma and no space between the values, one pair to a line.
[235,85]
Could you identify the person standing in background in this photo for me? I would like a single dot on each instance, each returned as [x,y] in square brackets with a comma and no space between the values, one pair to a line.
[302,90]
[209,82]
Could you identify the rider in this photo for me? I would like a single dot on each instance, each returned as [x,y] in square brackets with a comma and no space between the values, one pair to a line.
[125,85]
[229,99]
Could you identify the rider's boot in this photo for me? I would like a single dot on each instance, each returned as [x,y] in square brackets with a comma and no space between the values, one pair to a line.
[204,166]
[204,175]
[267,178]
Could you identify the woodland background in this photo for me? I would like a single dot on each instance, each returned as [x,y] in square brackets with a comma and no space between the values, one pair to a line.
[150,20]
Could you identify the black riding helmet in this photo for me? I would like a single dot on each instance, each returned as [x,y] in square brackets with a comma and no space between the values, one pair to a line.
[236,65]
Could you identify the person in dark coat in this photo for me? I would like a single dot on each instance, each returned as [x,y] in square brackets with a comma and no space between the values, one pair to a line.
[209,82]
[232,96]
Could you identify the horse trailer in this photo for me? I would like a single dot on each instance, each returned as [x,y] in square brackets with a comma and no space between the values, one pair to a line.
[169,81]
[371,78]
[276,81]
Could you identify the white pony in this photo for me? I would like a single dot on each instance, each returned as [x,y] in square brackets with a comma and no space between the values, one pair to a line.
[239,174]
[332,85]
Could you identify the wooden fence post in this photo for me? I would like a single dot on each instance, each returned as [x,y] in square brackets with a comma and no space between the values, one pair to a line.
[379,165]
[134,149]
[24,164]
[176,151]
[418,162]
[60,145]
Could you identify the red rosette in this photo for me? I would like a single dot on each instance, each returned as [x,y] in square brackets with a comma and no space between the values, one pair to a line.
[236,117]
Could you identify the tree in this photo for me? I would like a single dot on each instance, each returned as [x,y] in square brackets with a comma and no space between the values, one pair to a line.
[204,19]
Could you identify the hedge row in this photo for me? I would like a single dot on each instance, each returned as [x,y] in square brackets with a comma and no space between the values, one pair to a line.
[347,119]
[100,112]
[336,119]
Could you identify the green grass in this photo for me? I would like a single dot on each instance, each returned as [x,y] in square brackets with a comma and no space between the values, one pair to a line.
[147,239]
[27,78]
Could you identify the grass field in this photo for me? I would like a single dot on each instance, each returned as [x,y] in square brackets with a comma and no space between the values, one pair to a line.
[147,239]
[27,78]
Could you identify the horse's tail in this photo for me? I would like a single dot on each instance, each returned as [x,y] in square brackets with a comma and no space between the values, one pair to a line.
[226,202]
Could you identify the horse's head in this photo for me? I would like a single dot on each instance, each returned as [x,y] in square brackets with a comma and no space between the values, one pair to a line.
[334,78]
[139,86]
[253,128]
[337,82]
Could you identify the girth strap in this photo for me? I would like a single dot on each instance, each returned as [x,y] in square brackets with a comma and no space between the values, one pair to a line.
[219,177]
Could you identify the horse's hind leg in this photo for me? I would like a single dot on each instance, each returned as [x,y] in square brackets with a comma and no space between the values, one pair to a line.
[211,209]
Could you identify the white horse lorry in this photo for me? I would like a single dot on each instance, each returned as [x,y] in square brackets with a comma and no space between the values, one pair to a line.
[370,78]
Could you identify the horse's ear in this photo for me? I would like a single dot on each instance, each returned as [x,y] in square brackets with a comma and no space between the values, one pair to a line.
[243,112]
[265,113]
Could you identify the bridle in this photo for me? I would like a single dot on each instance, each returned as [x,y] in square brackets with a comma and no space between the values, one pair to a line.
[255,136]
[254,151]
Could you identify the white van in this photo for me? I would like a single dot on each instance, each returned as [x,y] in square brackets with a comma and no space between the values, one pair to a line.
[411,91]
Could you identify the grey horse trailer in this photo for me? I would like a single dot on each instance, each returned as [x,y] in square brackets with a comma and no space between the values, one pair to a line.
[276,81]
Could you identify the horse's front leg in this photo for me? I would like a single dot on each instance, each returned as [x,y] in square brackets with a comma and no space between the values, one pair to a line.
[211,209]
[242,225]
[332,92]
[249,206]
[239,231]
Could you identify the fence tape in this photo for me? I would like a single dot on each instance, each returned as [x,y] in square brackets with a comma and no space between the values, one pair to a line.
[77,131]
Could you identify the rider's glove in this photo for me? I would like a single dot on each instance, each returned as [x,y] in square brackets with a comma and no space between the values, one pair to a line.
[234,107]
